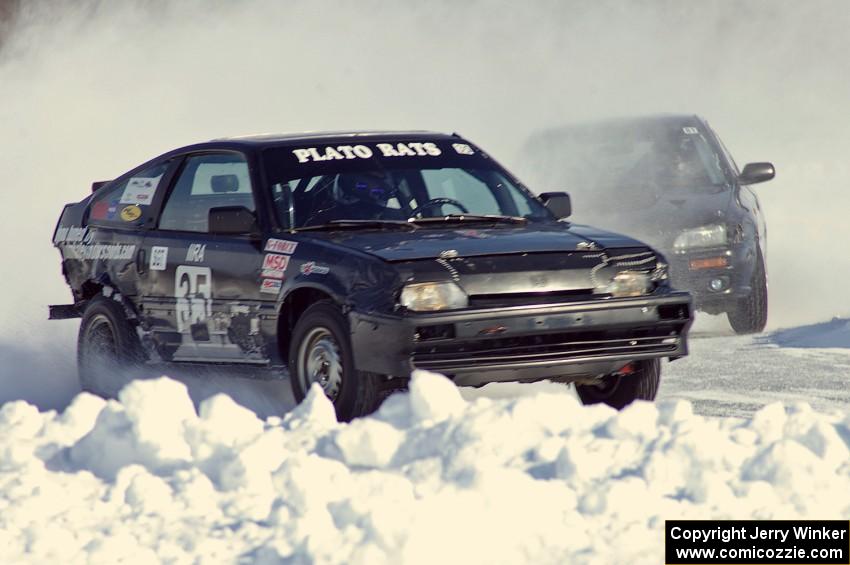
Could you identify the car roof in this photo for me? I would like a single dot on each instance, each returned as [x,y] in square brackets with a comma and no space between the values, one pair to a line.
[262,140]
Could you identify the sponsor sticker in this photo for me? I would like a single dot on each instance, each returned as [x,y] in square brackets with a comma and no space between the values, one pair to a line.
[139,190]
[71,234]
[690,130]
[281,246]
[271,286]
[463,149]
[100,210]
[348,152]
[274,265]
[159,258]
[411,149]
[99,251]
[131,213]
[310,267]
[112,212]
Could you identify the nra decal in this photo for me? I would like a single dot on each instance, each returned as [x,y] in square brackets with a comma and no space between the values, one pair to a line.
[274,265]
[139,190]
[310,267]
[348,152]
[271,286]
[131,213]
[159,258]
[281,246]
[195,252]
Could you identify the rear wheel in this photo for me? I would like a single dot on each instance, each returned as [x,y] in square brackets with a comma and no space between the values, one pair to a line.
[639,382]
[108,349]
[750,314]
[320,352]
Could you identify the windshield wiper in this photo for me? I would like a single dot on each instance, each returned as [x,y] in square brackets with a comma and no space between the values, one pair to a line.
[360,224]
[492,218]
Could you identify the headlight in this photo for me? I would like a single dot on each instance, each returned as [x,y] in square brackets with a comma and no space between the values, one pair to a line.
[432,296]
[627,283]
[706,236]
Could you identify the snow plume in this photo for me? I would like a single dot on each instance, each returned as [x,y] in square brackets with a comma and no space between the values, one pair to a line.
[534,479]
[89,89]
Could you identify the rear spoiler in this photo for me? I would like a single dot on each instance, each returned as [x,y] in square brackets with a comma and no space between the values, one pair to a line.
[97,184]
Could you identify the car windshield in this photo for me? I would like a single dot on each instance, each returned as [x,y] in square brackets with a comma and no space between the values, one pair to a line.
[394,182]
[645,156]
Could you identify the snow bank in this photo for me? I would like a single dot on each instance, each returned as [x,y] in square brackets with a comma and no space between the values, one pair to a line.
[430,478]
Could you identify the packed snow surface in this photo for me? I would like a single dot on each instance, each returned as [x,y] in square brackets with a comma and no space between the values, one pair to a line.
[430,478]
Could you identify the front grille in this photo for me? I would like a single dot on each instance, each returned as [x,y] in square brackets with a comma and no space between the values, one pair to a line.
[548,347]
[529,298]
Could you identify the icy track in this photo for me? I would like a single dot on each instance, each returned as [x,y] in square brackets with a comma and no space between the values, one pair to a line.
[431,478]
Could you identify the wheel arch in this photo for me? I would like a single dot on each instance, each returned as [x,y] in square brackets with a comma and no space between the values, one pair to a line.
[293,306]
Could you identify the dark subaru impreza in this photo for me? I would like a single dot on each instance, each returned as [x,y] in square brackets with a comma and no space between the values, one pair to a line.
[350,259]
[669,180]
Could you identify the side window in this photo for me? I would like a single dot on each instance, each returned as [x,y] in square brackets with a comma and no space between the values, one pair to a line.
[206,182]
[127,204]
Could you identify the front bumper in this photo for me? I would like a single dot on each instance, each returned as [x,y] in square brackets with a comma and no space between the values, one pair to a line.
[733,279]
[567,340]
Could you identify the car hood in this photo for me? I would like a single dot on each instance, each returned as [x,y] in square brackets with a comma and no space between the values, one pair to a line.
[667,217]
[467,241]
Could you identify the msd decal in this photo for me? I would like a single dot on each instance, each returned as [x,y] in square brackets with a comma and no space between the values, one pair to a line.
[274,265]
[281,246]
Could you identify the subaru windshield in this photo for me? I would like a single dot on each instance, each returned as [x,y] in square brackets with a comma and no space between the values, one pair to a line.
[372,185]
[616,157]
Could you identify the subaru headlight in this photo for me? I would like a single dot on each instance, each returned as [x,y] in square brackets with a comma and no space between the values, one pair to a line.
[706,236]
[433,296]
[627,283]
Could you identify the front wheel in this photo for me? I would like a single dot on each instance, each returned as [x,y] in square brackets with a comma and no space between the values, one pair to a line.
[639,382]
[320,352]
[750,314]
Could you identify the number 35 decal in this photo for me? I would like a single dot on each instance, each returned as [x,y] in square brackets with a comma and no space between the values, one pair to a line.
[193,291]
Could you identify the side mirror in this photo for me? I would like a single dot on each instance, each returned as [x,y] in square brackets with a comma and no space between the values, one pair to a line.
[232,220]
[756,172]
[558,203]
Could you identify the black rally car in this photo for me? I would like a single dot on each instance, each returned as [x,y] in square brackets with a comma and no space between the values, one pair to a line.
[669,180]
[353,258]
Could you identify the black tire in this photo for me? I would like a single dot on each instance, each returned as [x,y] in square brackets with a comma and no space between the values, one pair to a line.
[750,314]
[320,351]
[618,391]
[108,349]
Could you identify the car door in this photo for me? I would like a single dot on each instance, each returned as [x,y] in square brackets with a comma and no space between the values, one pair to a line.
[201,289]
